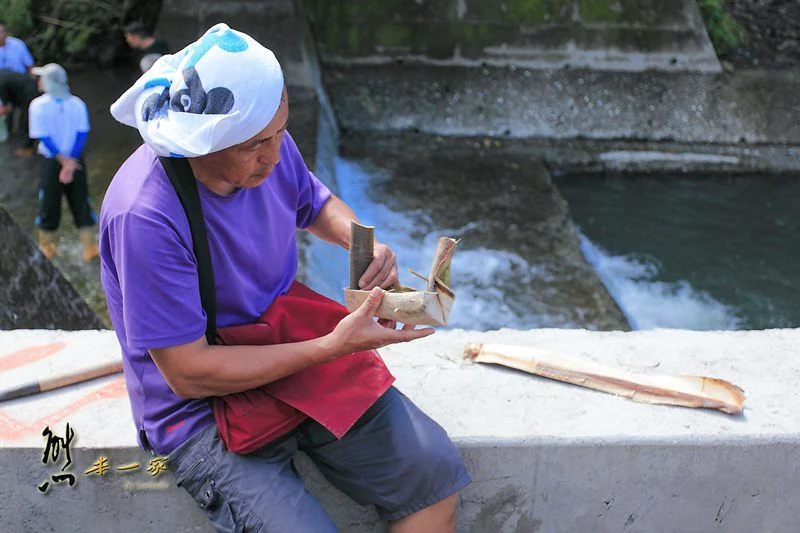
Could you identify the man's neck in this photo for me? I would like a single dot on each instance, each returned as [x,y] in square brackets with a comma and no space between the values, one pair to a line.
[219,187]
[214,185]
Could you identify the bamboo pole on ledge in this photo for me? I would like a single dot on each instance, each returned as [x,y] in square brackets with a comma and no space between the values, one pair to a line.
[686,391]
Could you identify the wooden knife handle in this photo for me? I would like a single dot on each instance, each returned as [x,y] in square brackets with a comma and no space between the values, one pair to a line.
[63,380]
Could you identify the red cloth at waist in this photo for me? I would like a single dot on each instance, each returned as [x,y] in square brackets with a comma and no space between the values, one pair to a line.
[335,394]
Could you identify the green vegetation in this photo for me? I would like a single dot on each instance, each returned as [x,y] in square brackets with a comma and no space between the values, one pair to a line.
[15,14]
[725,32]
[73,31]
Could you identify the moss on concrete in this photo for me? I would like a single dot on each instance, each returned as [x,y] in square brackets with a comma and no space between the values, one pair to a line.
[525,12]
[630,12]
[393,36]
[474,38]
[545,11]
[385,11]
[435,29]
[353,29]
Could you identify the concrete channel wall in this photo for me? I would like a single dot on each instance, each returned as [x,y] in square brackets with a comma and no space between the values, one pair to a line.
[571,70]
[726,109]
[544,456]
[630,35]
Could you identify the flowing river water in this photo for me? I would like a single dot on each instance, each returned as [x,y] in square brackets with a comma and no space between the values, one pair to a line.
[710,253]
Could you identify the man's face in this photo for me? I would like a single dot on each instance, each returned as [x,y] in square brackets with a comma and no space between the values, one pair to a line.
[3,35]
[248,164]
[132,40]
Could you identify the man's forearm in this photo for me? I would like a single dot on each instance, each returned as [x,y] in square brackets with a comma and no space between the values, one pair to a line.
[333,222]
[197,370]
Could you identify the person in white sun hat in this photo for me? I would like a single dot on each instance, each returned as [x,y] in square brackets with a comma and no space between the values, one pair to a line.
[60,121]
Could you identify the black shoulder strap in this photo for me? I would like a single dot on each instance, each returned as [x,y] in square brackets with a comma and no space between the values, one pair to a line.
[182,178]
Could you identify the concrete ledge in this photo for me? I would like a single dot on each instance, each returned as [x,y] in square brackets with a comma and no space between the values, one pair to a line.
[544,456]
[742,107]
[587,156]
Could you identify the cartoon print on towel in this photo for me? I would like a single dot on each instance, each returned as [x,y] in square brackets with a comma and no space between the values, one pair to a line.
[194,98]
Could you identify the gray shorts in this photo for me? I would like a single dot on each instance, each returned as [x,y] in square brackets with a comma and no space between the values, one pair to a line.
[395,458]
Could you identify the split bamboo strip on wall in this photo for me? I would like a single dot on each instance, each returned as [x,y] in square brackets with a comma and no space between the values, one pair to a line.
[686,391]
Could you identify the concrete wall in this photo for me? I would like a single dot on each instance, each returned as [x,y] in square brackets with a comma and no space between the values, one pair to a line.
[623,71]
[601,34]
[544,456]
[740,108]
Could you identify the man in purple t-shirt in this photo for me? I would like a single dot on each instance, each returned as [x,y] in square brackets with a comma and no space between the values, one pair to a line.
[221,103]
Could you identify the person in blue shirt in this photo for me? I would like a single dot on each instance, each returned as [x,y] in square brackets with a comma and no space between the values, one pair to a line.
[14,53]
[60,120]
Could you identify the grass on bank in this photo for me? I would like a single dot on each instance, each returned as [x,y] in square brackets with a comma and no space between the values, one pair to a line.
[725,31]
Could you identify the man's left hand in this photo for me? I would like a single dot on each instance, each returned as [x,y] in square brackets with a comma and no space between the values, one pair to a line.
[382,271]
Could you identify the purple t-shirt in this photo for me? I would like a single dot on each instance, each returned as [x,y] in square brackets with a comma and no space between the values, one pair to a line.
[149,271]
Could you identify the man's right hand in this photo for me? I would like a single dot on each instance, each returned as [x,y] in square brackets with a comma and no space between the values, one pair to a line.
[359,331]
[68,168]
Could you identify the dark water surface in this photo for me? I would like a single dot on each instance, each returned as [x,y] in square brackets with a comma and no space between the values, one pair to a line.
[715,252]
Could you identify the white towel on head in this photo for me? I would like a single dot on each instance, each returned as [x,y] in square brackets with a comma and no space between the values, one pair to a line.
[219,91]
